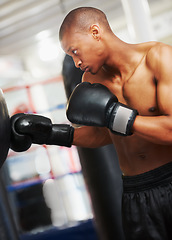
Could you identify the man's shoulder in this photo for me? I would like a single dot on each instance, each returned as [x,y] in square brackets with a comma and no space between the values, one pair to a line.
[159,58]
[157,50]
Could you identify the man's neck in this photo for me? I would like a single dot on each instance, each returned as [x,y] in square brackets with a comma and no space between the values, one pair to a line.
[123,59]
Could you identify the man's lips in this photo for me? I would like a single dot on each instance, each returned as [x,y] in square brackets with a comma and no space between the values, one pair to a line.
[86,69]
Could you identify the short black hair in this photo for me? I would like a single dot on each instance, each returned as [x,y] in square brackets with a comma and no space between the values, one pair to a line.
[81,18]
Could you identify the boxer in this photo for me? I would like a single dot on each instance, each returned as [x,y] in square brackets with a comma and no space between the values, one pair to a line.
[125,99]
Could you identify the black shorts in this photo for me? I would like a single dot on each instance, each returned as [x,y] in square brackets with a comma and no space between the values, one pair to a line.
[147,205]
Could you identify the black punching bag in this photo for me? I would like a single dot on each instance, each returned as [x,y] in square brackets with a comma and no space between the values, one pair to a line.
[101,173]
[8,229]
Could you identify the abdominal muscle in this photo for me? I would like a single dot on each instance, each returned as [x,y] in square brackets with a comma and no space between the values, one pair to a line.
[137,155]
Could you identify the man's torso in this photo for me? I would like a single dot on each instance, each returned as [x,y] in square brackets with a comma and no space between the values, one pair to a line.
[137,155]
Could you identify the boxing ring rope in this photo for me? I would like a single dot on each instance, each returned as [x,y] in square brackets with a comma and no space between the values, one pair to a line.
[14,88]
[28,88]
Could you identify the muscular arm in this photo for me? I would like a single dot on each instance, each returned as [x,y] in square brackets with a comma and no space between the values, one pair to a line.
[158,129]
[91,137]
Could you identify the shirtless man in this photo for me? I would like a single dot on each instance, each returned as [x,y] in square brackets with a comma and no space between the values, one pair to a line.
[136,78]
[140,76]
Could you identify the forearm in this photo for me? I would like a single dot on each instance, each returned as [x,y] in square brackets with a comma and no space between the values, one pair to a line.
[157,129]
[91,137]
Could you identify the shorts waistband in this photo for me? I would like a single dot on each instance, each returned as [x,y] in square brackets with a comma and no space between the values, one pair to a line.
[147,180]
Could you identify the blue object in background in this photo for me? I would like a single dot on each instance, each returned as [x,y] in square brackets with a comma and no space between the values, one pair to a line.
[84,231]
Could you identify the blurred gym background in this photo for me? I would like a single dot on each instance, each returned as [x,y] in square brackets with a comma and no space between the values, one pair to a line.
[44,193]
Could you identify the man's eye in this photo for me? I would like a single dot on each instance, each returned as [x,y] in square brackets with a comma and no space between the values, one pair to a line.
[74,52]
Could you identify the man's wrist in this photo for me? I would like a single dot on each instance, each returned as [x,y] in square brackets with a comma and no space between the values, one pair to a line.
[122,119]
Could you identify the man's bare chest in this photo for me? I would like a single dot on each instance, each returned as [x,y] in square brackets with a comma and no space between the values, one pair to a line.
[140,92]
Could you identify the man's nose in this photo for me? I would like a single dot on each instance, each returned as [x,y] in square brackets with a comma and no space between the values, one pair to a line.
[77,63]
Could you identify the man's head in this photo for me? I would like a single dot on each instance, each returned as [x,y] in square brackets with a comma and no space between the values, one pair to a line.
[81,37]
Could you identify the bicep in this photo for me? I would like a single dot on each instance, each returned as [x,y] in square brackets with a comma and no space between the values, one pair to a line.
[164,98]
[164,81]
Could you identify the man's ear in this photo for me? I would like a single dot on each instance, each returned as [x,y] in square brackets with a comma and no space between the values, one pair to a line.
[95,32]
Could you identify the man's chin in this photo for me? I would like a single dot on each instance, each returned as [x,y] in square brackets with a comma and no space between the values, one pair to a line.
[93,72]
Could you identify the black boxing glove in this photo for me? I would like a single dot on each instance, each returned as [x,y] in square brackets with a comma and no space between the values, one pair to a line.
[18,142]
[94,105]
[31,128]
